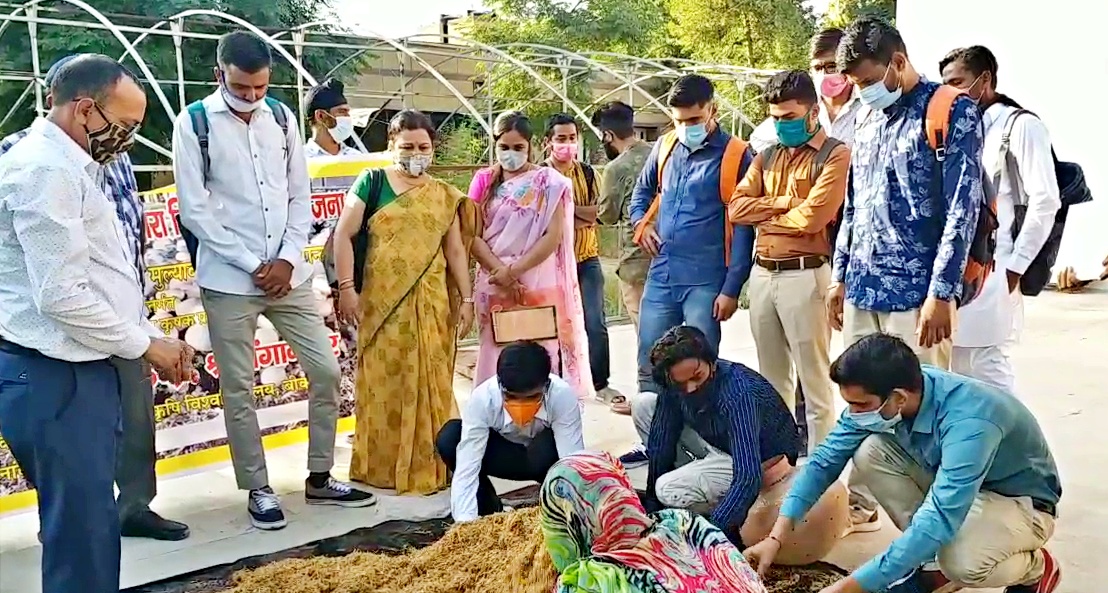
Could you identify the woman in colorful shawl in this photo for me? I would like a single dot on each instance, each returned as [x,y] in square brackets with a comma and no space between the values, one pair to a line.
[415,299]
[601,539]
[526,252]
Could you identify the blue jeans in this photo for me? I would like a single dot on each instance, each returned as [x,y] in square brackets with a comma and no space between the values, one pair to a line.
[664,307]
[591,278]
[61,421]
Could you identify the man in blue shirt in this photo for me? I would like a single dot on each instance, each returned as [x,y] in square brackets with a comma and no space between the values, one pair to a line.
[962,468]
[690,280]
[901,247]
[135,473]
[719,438]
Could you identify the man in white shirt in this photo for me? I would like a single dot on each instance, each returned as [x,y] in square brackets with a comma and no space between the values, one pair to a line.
[515,426]
[991,324]
[71,300]
[332,125]
[248,206]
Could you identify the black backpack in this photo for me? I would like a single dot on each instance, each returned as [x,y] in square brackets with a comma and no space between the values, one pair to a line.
[818,162]
[1072,189]
[360,240]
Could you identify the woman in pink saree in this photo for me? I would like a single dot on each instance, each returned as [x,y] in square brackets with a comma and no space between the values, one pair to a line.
[526,251]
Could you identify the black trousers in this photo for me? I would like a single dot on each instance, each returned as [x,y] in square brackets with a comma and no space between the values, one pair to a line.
[503,459]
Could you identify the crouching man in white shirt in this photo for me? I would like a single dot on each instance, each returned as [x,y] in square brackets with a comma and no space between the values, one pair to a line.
[515,426]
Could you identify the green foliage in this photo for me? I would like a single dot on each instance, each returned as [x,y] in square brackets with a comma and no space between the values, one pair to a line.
[840,13]
[57,41]
[752,33]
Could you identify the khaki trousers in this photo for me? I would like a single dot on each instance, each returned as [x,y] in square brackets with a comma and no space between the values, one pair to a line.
[788,318]
[1000,542]
[632,297]
[858,323]
[232,322]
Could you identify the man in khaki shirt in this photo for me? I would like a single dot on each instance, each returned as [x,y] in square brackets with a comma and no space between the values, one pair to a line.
[626,157]
[794,200]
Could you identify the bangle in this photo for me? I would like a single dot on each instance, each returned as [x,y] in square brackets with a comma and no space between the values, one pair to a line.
[346,284]
[776,539]
[467,300]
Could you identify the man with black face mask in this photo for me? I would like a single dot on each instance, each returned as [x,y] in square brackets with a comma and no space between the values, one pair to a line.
[719,439]
[73,323]
[135,475]
[626,155]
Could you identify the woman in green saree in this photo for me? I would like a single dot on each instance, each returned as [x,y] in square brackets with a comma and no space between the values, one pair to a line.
[416,298]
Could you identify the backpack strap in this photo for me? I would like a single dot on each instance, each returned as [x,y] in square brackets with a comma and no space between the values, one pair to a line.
[824,152]
[936,122]
[665,148]
[200,127]
[281,116]
[590,181]
[729,172]
[768,157]
[1011,167]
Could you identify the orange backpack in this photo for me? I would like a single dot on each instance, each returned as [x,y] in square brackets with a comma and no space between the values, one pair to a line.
[982,248]
[728,179]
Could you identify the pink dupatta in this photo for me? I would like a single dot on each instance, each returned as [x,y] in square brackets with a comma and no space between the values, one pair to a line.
[515,219]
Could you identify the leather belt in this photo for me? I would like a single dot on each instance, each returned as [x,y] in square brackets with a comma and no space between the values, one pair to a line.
[807,262]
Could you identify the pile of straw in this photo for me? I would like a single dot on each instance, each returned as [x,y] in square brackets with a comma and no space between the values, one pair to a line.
[502,553]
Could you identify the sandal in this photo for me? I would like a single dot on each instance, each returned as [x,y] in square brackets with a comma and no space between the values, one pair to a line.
[621,405]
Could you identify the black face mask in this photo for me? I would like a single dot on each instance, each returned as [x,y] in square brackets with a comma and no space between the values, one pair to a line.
[610,151]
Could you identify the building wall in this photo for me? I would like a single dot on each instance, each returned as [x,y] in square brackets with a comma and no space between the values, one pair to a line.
[1052,61]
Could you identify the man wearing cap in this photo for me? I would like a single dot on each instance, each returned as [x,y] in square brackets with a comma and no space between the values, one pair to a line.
[332,126]
[134,474]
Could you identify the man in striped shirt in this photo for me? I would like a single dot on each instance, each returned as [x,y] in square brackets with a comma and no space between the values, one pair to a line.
[719,440]
[561,145]
[135,475]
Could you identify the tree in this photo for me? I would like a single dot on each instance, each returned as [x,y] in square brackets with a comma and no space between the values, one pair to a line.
[56,41]
[840,13]
[633,27]
[752,33]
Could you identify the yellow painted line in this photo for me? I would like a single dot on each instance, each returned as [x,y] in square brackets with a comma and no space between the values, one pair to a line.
[172,465]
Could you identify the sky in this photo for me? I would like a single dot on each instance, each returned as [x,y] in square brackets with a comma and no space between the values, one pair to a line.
[416,15]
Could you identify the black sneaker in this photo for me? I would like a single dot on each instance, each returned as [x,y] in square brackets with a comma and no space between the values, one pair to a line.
[339,494]
[265,510]
[634,458]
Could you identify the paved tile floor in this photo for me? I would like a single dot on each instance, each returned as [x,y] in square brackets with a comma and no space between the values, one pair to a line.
[1063,360]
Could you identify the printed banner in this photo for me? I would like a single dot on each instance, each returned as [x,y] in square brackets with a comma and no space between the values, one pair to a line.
[189,416]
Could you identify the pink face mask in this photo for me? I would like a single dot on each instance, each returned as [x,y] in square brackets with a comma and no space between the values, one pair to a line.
[833,85]
[564,152]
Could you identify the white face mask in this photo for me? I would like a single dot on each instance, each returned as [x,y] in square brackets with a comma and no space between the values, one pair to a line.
[511,160]
[237,104]
[413,165]
[344,128]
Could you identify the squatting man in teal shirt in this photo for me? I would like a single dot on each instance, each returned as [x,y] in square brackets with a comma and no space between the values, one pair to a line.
[962,469]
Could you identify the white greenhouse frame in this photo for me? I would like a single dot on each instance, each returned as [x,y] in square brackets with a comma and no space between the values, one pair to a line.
[629,72]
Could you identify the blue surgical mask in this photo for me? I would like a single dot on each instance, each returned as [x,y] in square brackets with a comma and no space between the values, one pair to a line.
[873,421]
[878,96]
[692,136]
[794,132]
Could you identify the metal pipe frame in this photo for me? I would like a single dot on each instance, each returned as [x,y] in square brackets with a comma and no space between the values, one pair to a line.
[630,71]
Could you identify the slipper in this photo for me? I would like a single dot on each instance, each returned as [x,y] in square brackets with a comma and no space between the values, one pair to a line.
[621,405]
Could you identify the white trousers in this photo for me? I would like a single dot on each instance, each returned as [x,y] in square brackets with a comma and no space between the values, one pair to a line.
[1000,542]
[988,364]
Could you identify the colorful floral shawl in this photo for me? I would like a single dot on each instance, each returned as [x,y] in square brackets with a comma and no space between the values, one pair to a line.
[601,540]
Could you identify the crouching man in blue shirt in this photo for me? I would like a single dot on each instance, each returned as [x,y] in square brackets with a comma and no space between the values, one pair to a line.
[722,442]
[962,468]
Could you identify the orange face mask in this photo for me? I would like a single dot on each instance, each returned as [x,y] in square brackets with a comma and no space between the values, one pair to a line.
[522,411]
